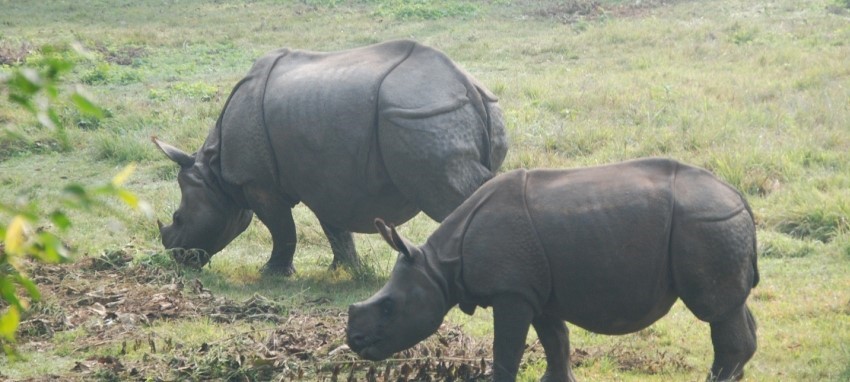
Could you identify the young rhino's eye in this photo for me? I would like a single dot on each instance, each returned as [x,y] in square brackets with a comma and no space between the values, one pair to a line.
[387,305]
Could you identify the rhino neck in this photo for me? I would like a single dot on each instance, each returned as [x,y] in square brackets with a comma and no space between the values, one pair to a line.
[209,159]
[447,273]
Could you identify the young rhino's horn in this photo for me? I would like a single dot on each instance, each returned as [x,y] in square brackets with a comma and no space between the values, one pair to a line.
[391,236]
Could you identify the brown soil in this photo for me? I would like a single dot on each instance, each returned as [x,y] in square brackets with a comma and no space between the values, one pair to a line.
[14,53]
[113,301]
[571,11]
[124,55]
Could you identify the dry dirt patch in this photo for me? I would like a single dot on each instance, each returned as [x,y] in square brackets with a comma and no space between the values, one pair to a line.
[113,299]
[571,11]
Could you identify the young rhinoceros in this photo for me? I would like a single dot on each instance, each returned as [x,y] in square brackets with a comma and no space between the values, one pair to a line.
[384,130]
[608,248]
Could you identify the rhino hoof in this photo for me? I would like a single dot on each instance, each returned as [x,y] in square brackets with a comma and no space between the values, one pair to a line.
[345,265]
[271,269]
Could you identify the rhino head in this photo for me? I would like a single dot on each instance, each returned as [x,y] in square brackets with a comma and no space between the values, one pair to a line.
[207,219]
[408,309]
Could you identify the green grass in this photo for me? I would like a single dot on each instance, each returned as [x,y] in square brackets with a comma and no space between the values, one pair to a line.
[757,92]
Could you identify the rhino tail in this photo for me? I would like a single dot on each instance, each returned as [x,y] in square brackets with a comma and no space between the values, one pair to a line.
[755,241]
[755,262]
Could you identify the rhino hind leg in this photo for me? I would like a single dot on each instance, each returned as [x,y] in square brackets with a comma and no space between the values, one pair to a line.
[734,341]
[714,272]
[342,245]
[554,337]
[436,160]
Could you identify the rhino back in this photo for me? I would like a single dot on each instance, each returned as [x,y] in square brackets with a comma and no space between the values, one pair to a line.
[319,111]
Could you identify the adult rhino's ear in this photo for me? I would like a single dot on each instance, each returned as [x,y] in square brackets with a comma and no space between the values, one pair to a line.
[175,154]
[391,236]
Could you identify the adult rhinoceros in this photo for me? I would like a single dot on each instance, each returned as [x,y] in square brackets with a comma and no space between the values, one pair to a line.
[383,130]
[608,248]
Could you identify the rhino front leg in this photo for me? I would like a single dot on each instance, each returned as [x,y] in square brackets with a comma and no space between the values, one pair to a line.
[554,337]
[342,245]
[512,316]
[282,228]
[277,217]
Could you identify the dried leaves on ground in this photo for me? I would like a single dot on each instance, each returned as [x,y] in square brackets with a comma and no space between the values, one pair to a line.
[115,302]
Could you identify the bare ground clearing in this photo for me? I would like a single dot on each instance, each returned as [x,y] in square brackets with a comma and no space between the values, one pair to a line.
[113,303]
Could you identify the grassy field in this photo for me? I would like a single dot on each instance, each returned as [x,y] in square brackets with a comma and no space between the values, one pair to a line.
[757,92]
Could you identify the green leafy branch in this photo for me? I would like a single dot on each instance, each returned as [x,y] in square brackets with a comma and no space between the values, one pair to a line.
[38,90]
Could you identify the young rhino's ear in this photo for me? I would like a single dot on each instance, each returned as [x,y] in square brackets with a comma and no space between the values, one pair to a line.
[391,236]
[175,154]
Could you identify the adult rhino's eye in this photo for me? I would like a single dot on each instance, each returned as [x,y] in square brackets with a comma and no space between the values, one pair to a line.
[387,305]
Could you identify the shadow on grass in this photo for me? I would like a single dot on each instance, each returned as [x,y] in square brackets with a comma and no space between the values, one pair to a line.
[315,287]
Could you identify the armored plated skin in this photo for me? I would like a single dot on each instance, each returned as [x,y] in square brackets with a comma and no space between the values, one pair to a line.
[607,248]
[384,130]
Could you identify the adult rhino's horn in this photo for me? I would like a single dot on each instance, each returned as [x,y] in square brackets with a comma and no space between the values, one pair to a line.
[173,153]
[391,236]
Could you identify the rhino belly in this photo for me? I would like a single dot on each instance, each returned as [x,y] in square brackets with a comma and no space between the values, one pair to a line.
[356,212]
[610,286]
[606,235]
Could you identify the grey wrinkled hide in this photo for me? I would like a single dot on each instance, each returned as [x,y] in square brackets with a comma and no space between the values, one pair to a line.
[608,248]
[385,130]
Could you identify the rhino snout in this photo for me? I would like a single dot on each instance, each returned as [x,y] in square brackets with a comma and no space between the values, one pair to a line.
[357,336]
[359,341]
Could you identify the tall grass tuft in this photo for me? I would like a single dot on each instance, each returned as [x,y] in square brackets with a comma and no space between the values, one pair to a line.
[778,245]
[119,148]
[426,10]
[812,214]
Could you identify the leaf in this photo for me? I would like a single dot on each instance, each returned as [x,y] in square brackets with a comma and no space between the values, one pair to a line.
[76,190]
[122,176]
[24,101]
[128,197]
[15,236]
[7,292]
[9,323]
[26,81]
[51,90]
[86,106]
[53,250]
[60,220]
[80,196]
[45,120]
[30,287]
[57,66]
[54,118]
